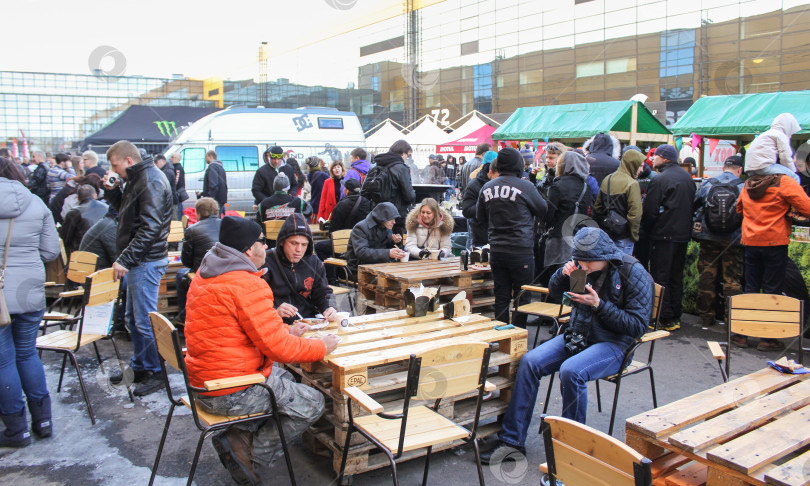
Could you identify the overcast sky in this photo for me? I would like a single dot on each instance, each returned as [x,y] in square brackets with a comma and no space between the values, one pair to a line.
[199,39]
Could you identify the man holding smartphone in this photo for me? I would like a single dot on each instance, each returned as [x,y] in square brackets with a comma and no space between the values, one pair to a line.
[606,318]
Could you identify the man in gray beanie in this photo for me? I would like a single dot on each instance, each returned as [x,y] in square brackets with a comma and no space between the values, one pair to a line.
[281,204]
[613,311]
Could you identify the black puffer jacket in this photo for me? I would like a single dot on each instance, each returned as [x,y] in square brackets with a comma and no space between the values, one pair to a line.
[199,238]
[78,220]
[404,194]
[312,293]
[564,194]
[171,175]
[509,204]
[370,241]
[602,156]
[38,183]
[469,206]
[100,240]
[342,216]
[262,186]
[145,214]
[667,210]
[215,183]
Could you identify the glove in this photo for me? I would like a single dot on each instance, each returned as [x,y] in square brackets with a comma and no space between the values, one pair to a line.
[424,254]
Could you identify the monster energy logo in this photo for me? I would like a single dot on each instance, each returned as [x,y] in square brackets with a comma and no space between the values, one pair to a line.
[166,128]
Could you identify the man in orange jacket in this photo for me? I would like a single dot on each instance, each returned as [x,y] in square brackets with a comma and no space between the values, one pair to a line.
[232,330]
[764,203]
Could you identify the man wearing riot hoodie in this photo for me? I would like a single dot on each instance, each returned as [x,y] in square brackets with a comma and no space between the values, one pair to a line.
[509,205]
[403,193]
[605,320]
[372,241]
[296,276]
[603,152]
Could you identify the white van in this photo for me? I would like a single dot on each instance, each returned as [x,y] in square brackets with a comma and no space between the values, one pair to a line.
[241,135]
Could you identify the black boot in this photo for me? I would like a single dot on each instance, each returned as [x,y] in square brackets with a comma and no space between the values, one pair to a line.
[41,417]
[16,433]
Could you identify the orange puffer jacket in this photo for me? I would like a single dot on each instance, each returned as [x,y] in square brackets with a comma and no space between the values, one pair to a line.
[231,326]
[764,203]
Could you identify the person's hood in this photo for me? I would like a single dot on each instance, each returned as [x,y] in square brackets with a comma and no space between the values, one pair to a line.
[222,259]
[631,161]
[509,162]
[361,165]
[294,225]
[14,198]
[757,185]
[445,225]
[786,123]
[575,164]
[387,159]
[593,244]
[483,173]
[602,143]
[383,212]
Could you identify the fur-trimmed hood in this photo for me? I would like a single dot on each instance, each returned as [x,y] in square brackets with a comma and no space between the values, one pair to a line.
[603,143]
[445,227]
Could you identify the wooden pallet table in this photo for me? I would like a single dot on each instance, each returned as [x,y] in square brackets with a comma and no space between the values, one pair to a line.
[752,430]
[373,355]
[381,286]
[167,293]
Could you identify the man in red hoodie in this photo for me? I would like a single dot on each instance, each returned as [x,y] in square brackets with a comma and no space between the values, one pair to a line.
[764,203]
[232,330]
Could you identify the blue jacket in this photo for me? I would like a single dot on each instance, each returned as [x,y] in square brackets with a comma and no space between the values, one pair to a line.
[700,202]
[613,321]
[358,167]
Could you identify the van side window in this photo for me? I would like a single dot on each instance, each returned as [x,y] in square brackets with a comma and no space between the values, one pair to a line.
[238,158]
[193,160]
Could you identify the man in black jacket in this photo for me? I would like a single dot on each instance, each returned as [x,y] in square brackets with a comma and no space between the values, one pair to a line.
[262,186]
[215,183]
[667,219]
[403,193]
[372,241]
[79,219]
[145,208]
[296,276]
[168,169]
[100,239]
[38,181]
[603,153]
[509,205]
[469,206]
[179,182]
[198,239]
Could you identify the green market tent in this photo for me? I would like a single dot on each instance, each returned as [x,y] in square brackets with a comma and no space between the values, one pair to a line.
[626,120]
[742,117]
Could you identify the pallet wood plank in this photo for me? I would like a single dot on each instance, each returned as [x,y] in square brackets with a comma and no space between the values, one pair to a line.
[792,473]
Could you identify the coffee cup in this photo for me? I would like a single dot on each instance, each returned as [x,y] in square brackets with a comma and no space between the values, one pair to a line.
[406,257]
[343,319]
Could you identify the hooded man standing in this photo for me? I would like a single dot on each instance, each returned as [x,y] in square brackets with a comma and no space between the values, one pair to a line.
[509,206]
[603,153]
[621,193]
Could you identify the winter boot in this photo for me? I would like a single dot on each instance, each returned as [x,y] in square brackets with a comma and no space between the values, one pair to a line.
[16,433]
[41,417]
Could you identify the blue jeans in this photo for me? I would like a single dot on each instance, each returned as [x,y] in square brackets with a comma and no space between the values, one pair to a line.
[143,283]
[20,367]
[599,360]
[625,245]
[179,211]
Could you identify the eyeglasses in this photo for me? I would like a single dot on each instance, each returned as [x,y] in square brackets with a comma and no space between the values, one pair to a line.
[276,156]
[262,240]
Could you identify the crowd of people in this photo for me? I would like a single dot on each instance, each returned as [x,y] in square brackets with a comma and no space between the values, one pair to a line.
[622,216]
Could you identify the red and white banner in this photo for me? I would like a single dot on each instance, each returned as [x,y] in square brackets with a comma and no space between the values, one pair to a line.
[25,146]
[14,151]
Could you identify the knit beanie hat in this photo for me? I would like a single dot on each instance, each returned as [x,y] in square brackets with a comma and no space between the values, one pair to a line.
[351,185]
[239,233]
[281,183]
[668,152]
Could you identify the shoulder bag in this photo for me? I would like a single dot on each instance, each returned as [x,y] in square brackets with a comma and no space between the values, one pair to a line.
[615,223]
[5,317]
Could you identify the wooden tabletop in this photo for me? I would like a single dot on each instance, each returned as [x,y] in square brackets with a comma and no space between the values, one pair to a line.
[383,338]
[416,271]
[317,232]
[747,429]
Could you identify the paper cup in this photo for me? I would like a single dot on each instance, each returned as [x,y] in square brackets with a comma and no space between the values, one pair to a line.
[406,257]
[434,254]
[343,319]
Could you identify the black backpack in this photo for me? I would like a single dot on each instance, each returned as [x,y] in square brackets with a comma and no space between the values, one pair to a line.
[719,211]
[378,186]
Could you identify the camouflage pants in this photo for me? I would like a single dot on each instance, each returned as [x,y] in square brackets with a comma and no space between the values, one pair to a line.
[712,258]
[299,406]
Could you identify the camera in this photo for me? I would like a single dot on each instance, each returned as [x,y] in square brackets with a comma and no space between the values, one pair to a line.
[112,179]
[574,342]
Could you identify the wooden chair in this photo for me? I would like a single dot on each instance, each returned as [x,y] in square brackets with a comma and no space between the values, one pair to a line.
[579,455]
[99,289]
[761,316]
[271,229]
[184,221]
[543,309]
[176,232]
[55,269]
[81,265]
[172,353]
[340,242]
[629,366]
[433,375]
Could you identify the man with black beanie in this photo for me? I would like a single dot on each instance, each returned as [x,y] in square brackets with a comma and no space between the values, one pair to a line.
[509,205]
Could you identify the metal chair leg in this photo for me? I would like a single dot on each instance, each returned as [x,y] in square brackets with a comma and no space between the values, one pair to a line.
[615,402]
[196,457]
[393,466]
[548,393]
[598,398]
[62,374]
[478,462]
[284,448]
[160,445]
[84,389]
[98,356]
[652,385]
[427,465]
[345,455]
[118,356]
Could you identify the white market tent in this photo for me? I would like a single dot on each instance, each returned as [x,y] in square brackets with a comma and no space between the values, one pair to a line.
[424,138]
[385,134]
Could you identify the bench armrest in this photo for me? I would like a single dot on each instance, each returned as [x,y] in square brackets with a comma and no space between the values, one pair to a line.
[535,288]
[716,350]
[336,261]
[71,293]
[362,399]
[652,336]
[544,468]
[234,381]
[489,387]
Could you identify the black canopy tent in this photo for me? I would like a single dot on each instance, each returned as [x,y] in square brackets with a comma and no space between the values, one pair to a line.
[148,127]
